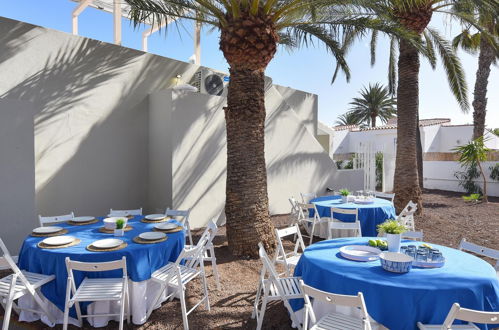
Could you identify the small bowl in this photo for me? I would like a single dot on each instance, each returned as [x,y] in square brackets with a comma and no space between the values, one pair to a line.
[110,223]
[396,262]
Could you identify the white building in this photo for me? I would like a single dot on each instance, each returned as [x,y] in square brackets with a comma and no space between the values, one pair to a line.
[438,138]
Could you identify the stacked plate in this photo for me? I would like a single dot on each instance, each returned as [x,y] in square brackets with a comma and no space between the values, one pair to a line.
[105,244]
[82,219]
[360,252]
[47,230]
[58,240]
[167,226]
[152,236]
[155,217]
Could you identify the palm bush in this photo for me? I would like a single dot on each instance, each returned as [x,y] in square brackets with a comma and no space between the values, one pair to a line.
[374,101]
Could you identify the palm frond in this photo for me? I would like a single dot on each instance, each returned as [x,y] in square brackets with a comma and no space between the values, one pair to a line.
[374,37]
[392,66]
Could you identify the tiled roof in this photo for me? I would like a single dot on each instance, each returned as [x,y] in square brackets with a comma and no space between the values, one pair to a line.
[392,124]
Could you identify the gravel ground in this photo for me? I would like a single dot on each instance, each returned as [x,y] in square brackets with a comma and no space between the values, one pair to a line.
[446,220]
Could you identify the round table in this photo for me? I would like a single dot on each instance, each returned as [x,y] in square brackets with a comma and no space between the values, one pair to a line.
[142,261]
[399,301]
[370,215]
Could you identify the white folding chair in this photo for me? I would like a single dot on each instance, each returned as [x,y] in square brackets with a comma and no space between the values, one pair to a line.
[288,259]
[384,195]
[336,224]
[18,284]
[305,219]
[125,213]
[184,220]
[413,235]
[209,250]
[334,320]
[55,219]
[176,275]
[481,250]
[96,289]
[469,315]
[271,287]
[406,217]
[306,197]
[293,213]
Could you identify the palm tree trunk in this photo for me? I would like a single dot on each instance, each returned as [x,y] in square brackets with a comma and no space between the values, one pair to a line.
[246,208]
[373,120]
[406,184]
[485,60]
[419,147]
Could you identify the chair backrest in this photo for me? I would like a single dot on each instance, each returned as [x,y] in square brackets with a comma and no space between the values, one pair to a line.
[184,220]
[469,315]
[414,235]
[268,266]
[306,197]
[406,217]
[191,257]
[210,232]
[7,261]
[334,299]
[95,266]
[124,213]
[354,212]
[303,211]
[481,250]
[288,231]
[384,195]
[55,219]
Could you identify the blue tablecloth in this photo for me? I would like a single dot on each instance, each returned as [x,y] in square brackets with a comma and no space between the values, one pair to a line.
[142,259]
[398,301]
[370,215]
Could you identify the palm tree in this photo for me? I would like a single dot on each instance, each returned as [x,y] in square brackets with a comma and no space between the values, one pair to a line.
[250,31]
[346,119]
[375,101]
[415,15]
[476,43]
[473,154]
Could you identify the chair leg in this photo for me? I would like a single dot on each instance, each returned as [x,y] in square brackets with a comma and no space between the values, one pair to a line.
[66,316]
[43,306]
[214,267]
[312,233]
[184,309]
[122,310]
[128,316]
[257,300]
[8,311]
[261,315]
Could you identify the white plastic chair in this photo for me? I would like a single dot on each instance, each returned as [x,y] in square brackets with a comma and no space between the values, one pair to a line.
[304,217]
[176,275]
[334,320]
[55,219]
[209,250]
[288,259]
[18,284]
[342,225]
[96,289]
[293,213]
[384,195]
[413,235]
[481,250]
[306,197]
[458,313]
[406,217]
[272,288]
[125,213]
[184,220]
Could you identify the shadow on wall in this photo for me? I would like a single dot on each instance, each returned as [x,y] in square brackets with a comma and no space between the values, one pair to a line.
[15,39]
[91,133]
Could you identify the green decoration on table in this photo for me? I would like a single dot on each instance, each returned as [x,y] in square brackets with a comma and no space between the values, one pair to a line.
[344,192]
[391,226]
[120,223]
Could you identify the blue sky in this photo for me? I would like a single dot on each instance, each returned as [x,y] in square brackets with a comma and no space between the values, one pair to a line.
[305,69]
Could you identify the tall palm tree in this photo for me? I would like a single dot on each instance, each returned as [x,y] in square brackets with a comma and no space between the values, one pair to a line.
[375,101]
[346,119]
[474,43]
[403,75]
[249,33]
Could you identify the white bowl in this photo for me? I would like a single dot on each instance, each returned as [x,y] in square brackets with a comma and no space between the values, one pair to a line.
[396,262]
[110,223]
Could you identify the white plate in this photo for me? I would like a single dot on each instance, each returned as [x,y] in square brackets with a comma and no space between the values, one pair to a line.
[107,243]
[152,235]
[360,252]
[47,230]
[58,240]
[155,216]
[82,219]
[166,226]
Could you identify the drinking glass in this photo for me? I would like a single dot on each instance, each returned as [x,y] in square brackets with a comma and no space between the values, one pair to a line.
[437,256]
[421,256]
[403,249]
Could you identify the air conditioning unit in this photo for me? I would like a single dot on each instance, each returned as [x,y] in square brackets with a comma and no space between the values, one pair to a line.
[212,82]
